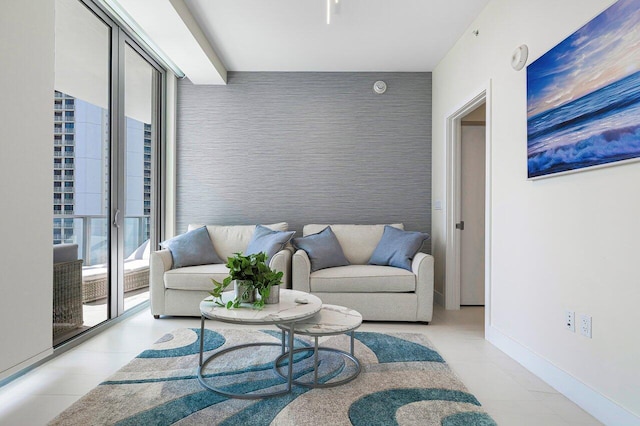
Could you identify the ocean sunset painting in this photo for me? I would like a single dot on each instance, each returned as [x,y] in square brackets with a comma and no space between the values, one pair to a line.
[583,96]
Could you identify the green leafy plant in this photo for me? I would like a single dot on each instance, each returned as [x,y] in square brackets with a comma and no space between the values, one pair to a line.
[267,279]
[252,269]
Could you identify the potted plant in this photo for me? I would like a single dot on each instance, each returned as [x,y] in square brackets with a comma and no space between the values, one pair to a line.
[250,275]
[268,286]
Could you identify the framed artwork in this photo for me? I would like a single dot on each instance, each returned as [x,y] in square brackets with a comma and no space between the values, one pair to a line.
[583,96]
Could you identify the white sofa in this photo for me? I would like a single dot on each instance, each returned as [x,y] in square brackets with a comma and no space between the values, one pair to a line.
[379,293]
[180,291]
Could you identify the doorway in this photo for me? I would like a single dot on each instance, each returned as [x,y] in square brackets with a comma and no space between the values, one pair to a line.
[468,255]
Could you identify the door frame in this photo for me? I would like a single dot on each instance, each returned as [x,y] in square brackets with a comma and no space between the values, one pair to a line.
[453,128]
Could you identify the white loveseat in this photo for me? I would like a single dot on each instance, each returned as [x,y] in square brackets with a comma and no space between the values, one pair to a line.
[180,291]
[379,293]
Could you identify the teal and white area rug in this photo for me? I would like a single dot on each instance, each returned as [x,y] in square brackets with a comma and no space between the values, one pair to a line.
[403,381]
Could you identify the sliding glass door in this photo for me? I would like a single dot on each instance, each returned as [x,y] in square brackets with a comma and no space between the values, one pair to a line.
[106,108]
[81,169]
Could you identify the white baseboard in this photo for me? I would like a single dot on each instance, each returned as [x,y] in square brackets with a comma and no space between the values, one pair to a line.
[16,369]
[594,403]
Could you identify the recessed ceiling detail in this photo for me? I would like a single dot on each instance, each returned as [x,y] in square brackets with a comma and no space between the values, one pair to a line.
[293,35]
[173,29]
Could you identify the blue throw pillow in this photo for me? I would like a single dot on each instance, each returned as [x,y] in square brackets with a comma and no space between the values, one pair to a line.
[192,248]
[323,249]
[397,248]
[268,241]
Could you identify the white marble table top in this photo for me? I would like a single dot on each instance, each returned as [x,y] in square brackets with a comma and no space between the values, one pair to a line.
[331,319]
[288,310]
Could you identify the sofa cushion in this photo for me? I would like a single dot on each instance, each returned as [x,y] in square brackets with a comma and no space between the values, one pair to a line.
[397,248]
[135,265]
[357,241]
[268,241]
[323,249]
[362,279]
[65,253]
[195,277]
[96,272]
[192,248]
[234,238]
[142,252]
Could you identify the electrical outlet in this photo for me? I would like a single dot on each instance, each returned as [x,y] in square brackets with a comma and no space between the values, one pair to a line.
[585,325]
[570,321]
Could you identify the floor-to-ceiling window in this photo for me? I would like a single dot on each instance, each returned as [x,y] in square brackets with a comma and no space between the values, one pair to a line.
[106,108]
[140,132]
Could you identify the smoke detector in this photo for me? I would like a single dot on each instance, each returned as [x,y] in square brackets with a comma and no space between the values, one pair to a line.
[379,87]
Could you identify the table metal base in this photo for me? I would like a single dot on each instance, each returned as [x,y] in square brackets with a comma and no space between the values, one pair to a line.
[288,378]
[315,350]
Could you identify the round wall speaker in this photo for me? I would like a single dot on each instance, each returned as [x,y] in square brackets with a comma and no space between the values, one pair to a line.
[519,57]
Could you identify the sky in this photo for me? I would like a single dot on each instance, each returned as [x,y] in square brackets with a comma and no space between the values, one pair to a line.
[603,51]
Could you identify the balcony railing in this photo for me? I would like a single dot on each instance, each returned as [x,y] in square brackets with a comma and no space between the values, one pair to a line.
[58,130]
[90,233]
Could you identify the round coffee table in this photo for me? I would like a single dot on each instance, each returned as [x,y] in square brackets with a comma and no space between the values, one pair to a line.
[329,321]
[284,314]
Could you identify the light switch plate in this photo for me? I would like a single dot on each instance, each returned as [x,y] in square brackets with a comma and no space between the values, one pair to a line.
[570,321]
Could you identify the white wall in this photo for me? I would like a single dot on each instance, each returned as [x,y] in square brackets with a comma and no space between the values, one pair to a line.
[26,173]
[568,242]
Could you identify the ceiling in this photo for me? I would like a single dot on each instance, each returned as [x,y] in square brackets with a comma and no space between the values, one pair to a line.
[293,35]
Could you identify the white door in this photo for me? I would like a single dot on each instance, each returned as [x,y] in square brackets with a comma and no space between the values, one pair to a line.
[472,213]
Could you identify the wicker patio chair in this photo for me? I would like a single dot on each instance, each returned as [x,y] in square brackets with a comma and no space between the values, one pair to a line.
[67,289]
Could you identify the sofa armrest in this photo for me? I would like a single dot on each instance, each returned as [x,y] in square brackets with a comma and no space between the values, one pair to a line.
[281,262]
[159,262]
[422,266]
[300,271]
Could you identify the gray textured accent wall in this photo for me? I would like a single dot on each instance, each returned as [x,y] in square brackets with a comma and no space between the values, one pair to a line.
[305,148]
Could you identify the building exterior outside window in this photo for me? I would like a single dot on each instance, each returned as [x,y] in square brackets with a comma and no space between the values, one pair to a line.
[86,172]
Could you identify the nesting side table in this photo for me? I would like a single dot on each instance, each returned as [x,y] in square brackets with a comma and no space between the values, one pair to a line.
[284,314]
[330,320]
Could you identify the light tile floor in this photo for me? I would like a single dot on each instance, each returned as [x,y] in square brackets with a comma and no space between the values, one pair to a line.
[509,393]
